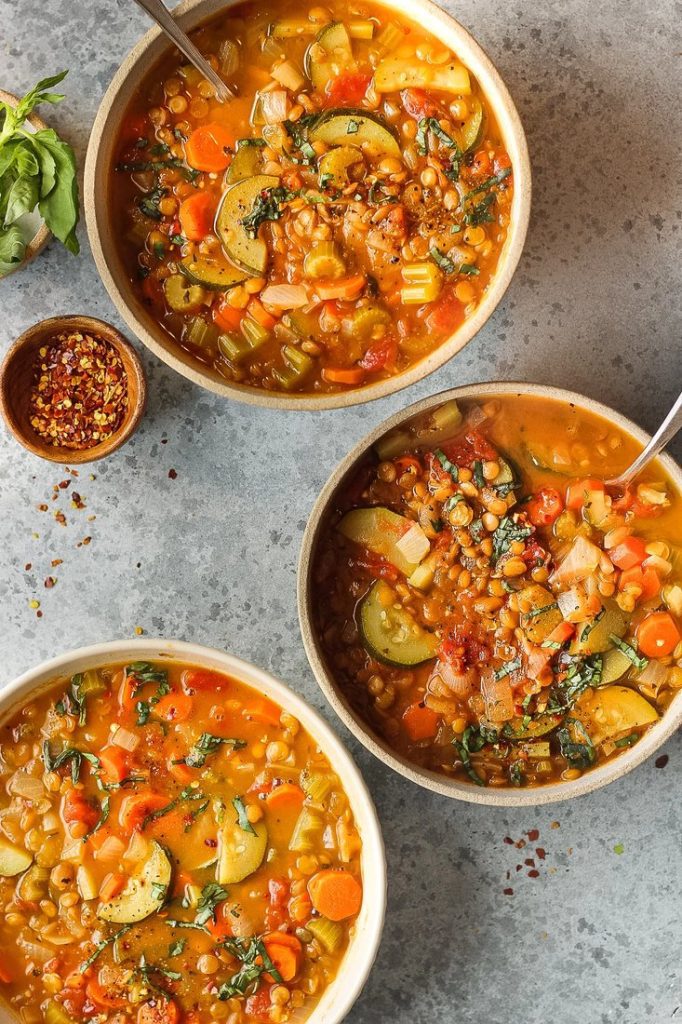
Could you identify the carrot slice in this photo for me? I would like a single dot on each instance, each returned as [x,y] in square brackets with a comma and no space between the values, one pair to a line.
[343,288]
[630,552]
[263,711]
[647,580]
[575,492]
[287,797]
[114,761]
[136,806]
[420,722]
[257,310]
[196,216]
[285,952]
[208,148]
[103,996]
[174,707]
[338,375]
[657,635]
[5,976]
[161,1011]
[335,894]
[203,679]
[227,317]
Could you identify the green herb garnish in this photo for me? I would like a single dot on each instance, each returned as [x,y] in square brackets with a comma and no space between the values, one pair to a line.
[254,963]
[102,946]
[444,262]
[188,793]
[508,668]
[506,533]
[266,206]
[177,947]
[242,817]
[53,762]
[578,754]
[206,745]
[630,652]
[211,895]
[448,466]
[37,169]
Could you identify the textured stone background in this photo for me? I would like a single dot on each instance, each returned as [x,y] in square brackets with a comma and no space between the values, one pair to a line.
[210,555]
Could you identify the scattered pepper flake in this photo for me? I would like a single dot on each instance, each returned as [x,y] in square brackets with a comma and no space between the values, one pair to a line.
[63,484]
[50,582]
[34,604]
[661,761]
[60,517]
[541,853]
[138,631]
[534,873]
[56,561]
[508,892]
[619,848]
[172,473]
[28,567]
[555,824]
[533,835]
[42,507]
[79,394]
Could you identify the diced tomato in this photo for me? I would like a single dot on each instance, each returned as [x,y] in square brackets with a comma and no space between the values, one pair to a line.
[152,289]
[579,489]
[221,928]
[446,314]
[114,761]
[278,893]
[630,552]
[381,355]
[258,1005]
[347,89]
[76,807]
[534,554]
[420,722]
[203,679]
[375,566]
[647,580]
[544,507]
[470,448]
[642,510]
[480,166]
[418,104]
[395,223]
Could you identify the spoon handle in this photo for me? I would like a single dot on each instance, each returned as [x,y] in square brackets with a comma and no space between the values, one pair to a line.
[667,430]
[158,12]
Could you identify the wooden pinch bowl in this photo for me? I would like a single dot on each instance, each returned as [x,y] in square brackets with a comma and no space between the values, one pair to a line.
[16,379]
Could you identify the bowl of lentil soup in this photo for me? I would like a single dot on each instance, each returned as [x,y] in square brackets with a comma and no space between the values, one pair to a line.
[340,229]
[181,838]
[72,389]
[481,612]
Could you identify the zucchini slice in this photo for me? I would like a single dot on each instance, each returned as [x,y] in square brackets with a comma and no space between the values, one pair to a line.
[248,254]
[595,636]
[240,853]
[612,710]
[472,129]
[395,73]
[13,859]
[215,275]
[540,726]
[333,166]
[247,162]
[390,633]
[353,127]
[614,665]
[379,530]
[543,616]
[329,55]
[429,431]
[144,893]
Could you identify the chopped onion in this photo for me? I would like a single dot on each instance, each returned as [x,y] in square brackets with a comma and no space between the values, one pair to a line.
[125,739]
[444,680]
[32,951]
[499,700]
[616,536]
[51,823]
[228,55]
[285,296]
[654,676]
[111,849]
[138,848]
[569,603]
[476,416]
[661,565]
[275,105]
[673,598]
[414,544]
[26,786]
[582,559]
[288,75]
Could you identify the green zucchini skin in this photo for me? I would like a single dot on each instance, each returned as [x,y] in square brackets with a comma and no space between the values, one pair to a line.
[385,630]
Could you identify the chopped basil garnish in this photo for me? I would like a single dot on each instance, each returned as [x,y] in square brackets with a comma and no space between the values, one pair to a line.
[630,652]
[508,668]
[254,963]
[506,533]
[211,895]
[242,817]
[448,466]
[206,745]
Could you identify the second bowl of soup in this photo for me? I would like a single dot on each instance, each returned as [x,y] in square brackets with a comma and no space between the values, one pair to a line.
[181,839]
[340,228]
[482,611]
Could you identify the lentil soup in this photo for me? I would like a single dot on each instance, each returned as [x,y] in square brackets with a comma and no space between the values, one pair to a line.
[173,846]
[489,608]
[335,222]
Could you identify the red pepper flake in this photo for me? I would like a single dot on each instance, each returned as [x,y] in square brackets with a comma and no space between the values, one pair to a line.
[661,761]
[28,567]
[80,391]
[541,853]
[42,508]
[56,561]
[520,843]
[50,582]
[533,835]
[534,874]
[555,824]
[63,484]
[529,862]
[84,543]
[61,518]
[508,892]
[508,840]
[172,473]
[76,500]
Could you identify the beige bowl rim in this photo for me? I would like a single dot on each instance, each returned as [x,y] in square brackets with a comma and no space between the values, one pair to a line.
[191,13]
[592,780]
[339,997]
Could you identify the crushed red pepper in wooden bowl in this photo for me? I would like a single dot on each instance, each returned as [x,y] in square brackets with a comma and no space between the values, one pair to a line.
[72,389]
[80,391]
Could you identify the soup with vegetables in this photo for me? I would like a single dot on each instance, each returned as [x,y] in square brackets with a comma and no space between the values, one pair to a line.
[173,846]
[491,609]
[332,224]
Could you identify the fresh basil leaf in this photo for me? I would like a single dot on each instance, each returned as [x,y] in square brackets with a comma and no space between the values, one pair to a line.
[59,208]
[12,249]
[242,818]
[38,95]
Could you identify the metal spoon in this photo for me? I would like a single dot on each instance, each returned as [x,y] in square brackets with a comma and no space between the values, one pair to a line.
[156,10]
[667,430]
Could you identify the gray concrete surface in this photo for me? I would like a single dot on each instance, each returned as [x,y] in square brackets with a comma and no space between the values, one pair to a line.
[210,554]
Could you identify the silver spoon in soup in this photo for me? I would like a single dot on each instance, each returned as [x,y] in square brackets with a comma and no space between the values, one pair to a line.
[157,11]
[667,430]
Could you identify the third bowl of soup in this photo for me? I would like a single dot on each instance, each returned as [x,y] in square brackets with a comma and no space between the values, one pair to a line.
[483,612]
[340,228]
